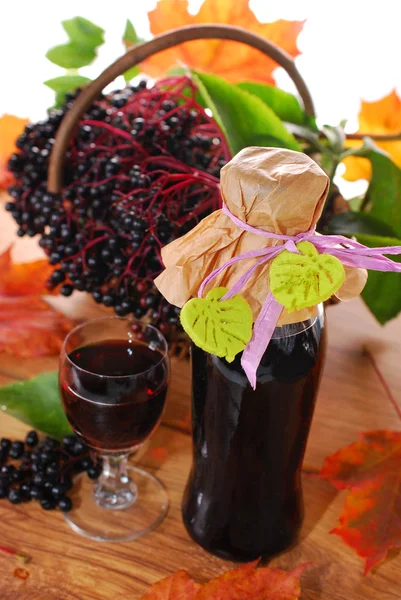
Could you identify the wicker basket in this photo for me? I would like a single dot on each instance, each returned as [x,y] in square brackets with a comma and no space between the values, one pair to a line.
[139,53]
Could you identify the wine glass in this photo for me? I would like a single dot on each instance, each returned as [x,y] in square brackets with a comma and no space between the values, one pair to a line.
[113,380]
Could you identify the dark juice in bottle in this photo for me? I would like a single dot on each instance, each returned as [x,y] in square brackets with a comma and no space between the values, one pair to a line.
[244,497]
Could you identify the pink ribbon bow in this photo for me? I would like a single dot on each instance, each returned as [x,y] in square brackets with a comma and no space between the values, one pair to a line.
[350,253]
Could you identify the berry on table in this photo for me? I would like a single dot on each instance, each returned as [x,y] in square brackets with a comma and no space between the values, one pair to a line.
[16,450]
[15,496]
[65,504]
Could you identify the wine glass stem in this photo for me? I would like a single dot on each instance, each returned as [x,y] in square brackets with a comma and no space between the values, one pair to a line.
[115,489]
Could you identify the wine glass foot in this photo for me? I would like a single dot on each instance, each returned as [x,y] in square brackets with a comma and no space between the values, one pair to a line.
[142,512]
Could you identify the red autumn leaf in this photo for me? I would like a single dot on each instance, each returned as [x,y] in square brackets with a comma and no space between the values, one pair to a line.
[371,470]
[244,583]
[235,62]
[28,325]
[175,587]
[22,279]
[250,583]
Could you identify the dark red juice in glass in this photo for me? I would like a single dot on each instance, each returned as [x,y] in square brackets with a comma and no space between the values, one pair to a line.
[243,499]
[109,409]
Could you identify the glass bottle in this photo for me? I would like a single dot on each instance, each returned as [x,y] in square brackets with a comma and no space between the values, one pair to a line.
[243,498]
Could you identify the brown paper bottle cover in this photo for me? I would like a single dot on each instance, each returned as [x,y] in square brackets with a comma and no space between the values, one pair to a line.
[273,189]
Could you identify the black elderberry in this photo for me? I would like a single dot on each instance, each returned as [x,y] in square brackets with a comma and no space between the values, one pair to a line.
[7,470]
[52,470]
[17,475]
[5,444]
[26,489]
[39,479]
[94,472]
[15,496]
[108,300]
[65,504]
[48,503]
[58,490]
[78,448]
[68,441]
[97,296]
[55,257]
[66,290]
[36,492]
[16,450]
[57,277]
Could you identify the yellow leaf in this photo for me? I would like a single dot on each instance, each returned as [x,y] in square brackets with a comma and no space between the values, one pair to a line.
[231,60]
[381,117]
[10,128]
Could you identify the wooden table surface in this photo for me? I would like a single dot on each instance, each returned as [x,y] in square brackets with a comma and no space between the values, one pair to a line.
[362,373]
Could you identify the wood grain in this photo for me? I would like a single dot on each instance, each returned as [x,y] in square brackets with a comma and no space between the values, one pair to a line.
[66,566]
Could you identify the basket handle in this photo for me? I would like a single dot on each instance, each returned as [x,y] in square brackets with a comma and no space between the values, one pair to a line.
[142,51]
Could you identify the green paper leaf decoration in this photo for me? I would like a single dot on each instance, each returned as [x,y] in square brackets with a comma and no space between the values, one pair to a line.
[219,327]
[301,280]
[37,403]
[244,119]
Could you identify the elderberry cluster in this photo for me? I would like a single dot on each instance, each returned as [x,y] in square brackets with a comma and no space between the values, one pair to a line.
[45,469]
[142,170]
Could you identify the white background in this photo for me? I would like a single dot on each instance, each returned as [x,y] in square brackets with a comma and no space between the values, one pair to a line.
[350,48]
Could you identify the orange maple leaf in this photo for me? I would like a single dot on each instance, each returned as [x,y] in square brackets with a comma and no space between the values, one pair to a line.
[371,470]
[28,325]
[244,583]
[10,128]
[381,117]
[231,60]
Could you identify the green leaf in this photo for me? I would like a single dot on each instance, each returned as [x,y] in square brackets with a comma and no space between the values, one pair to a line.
[356,223]
[244,118]
[71,55]
[67,83]
[83,32]
[37,403]
[64,84]
[382,293]
[283,104]
[130,38]
[335,137]
[131,73]
[384,191]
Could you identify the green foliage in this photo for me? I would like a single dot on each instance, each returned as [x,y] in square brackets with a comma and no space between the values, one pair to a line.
[83,33]
[130,38]
[71,56]
[283,104]
[382,293]
[244,118]
[37,403]
[64,84]
[356,223]
[81,49]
